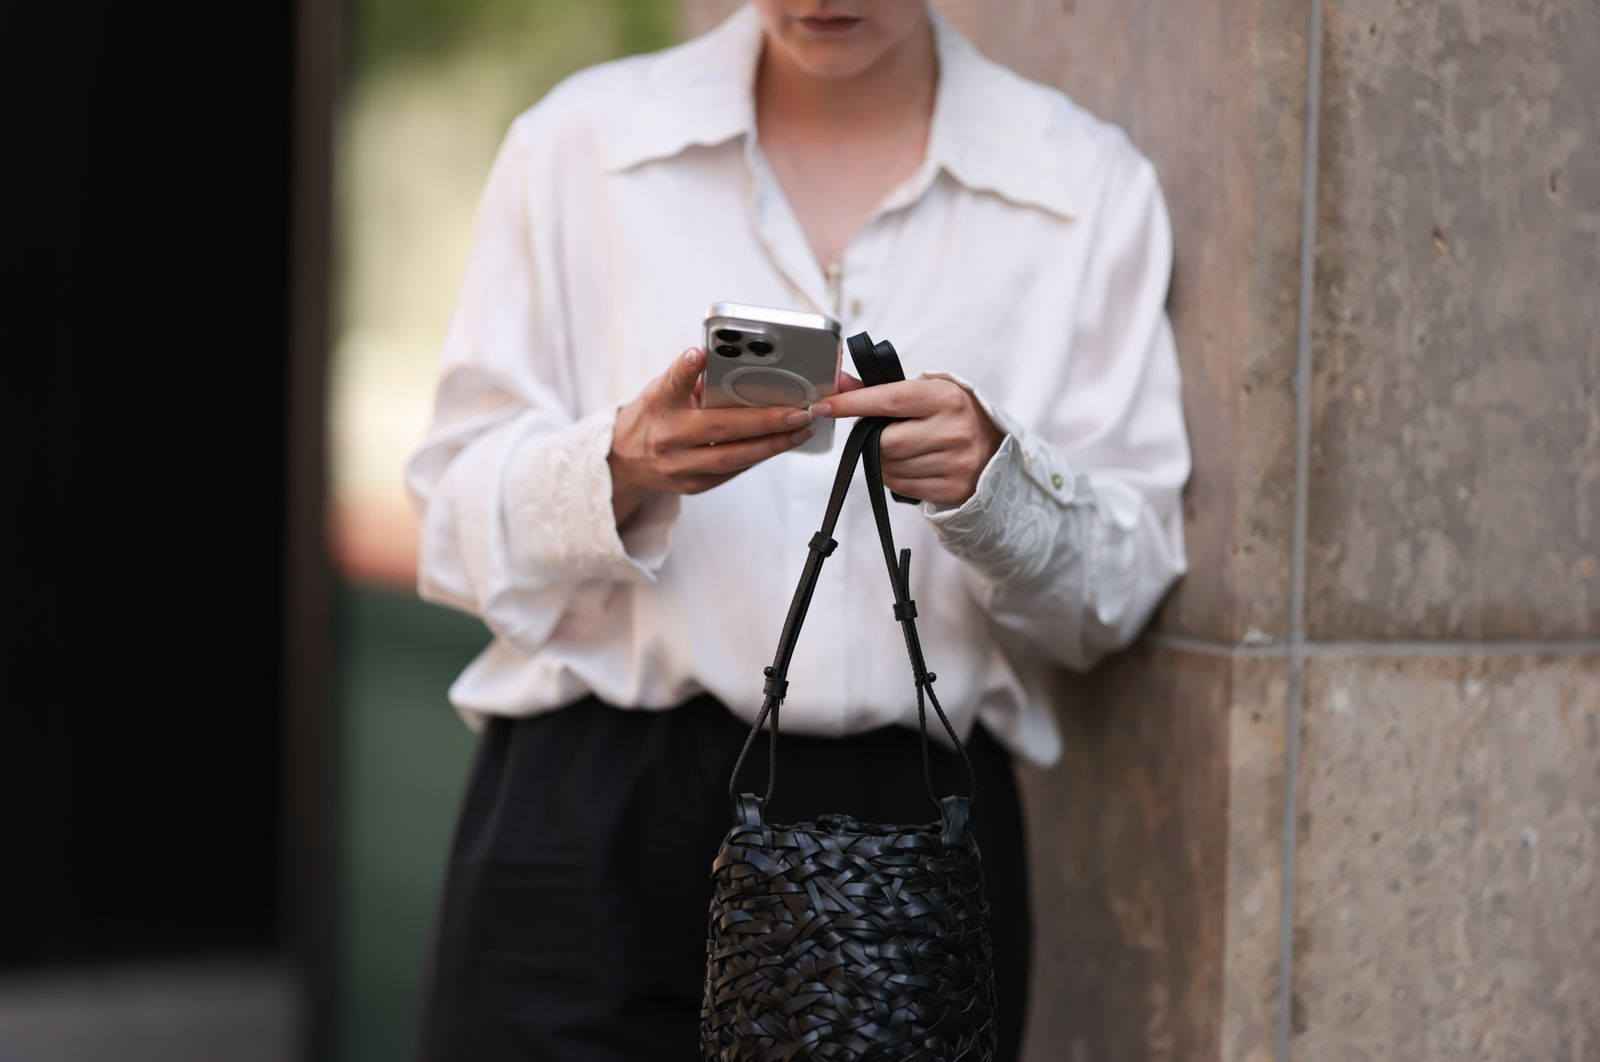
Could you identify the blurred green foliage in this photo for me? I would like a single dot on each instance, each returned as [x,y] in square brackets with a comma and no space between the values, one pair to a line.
[390,31]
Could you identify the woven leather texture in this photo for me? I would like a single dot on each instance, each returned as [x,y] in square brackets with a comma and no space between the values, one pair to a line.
[837,939]
[843,940]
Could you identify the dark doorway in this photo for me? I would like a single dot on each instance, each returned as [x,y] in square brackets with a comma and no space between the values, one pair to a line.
[143,748]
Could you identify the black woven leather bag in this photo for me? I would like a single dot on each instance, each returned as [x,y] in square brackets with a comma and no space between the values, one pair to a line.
[838,939]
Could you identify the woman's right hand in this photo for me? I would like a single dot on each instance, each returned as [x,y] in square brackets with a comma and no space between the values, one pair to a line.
[665,441]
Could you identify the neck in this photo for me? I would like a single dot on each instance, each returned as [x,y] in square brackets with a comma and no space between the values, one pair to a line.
[881,96]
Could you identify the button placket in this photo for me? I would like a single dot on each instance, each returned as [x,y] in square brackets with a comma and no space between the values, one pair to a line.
[859,273]
[847,273]
[780,232]
[861,261]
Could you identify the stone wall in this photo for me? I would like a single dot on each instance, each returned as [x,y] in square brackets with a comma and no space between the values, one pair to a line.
[1343,801]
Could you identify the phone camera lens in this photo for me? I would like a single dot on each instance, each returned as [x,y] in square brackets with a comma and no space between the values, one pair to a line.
[729,335]
[760,346]
[727,350]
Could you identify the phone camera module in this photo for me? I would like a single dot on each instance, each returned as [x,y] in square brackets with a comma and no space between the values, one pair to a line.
[727,350]
[729,335]
[759,346]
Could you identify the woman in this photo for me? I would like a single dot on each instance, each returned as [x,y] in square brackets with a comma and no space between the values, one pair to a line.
[634,553]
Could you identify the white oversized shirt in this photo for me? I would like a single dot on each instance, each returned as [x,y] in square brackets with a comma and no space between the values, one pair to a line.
[1027,260]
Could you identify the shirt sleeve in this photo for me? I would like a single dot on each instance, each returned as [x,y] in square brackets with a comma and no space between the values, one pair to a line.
[1075,530]
[510,484]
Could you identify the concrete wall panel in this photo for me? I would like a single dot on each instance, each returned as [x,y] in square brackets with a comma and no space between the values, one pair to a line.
[1156,923]
[1455,468]
[1448,872]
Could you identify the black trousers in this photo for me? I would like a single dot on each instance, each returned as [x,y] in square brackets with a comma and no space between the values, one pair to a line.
[573,919]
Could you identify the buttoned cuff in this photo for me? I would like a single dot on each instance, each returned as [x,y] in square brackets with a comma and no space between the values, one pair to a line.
[1037,460]
[558,508]
[1022,481]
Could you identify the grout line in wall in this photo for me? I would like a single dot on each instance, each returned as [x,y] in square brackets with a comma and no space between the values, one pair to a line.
[1188,643]
[1335,650]
[1293,695]
[1359,647]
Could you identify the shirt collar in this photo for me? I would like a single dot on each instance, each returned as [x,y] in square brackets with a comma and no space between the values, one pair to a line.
[990,128]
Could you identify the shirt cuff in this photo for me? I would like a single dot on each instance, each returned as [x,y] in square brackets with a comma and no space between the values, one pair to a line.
[1025,477]
[558,508]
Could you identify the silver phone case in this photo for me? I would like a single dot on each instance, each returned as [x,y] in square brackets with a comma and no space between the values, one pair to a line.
[802,366]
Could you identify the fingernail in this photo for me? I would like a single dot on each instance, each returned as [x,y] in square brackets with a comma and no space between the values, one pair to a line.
[821,409]
[801,436]
[690,355]
[798,419]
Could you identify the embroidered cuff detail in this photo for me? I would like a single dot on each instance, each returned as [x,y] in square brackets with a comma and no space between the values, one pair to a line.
[558,508]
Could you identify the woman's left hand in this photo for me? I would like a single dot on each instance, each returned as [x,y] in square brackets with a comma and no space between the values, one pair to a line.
[938,451]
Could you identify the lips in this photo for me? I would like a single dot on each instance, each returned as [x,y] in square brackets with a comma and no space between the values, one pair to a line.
[829,23]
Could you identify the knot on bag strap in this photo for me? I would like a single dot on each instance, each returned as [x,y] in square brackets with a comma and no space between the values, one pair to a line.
[953,813]
[900,577]
[821,545]
[862,442]
[747,809]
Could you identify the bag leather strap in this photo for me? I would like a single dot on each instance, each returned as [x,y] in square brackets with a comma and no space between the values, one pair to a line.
[862,445]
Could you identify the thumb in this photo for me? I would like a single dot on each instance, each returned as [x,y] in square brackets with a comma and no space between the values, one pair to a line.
[680,378]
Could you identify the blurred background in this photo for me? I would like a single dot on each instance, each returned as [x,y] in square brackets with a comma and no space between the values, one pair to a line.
[237,774]
[1341,802]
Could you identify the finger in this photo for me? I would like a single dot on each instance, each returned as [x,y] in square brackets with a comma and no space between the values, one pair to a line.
[904,398]
[736,456]
[700,391]
[924,488]
[699,484]
[920,435]
[675,387]
[919,466]
[848,382]
[732,423]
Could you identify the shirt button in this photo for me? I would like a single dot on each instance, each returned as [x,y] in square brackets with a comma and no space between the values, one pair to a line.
[1055,480]
[855,307]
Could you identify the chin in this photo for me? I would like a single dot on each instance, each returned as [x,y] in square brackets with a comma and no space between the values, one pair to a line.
[832,61]
[834,58]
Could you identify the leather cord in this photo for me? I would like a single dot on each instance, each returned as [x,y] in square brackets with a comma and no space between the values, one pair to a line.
[905,611]
[862,441]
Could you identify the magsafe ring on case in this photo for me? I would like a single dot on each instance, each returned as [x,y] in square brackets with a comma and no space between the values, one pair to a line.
[760,385]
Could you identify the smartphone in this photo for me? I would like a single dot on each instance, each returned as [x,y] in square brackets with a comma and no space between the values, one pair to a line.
[758,356]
